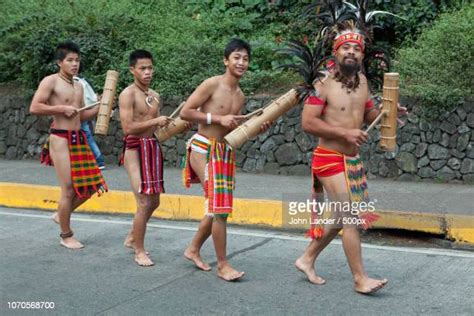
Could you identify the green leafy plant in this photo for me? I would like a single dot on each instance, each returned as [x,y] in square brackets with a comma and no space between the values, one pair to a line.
[438,68]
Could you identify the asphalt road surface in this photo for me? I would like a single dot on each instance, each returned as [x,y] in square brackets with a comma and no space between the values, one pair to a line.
[102,279]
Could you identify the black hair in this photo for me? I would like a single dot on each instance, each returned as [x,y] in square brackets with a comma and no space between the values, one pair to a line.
[236,44]
[139,54]
[65,48]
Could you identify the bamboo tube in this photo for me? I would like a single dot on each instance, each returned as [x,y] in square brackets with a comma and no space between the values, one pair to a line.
[174,128]
[388,125]
[106,102]
[252,127]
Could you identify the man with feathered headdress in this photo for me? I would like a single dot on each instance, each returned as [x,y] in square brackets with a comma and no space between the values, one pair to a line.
[335,113]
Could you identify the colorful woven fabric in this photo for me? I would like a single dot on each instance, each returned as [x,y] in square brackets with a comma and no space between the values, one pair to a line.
[219,176]
[85,174]
[328,163]
[151,163]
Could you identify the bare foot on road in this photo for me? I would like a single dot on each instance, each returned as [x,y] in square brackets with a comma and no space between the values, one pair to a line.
[196,259]
[308,270]
[143,260]
[228,273]
[71,243]
[367,285]
[130,243]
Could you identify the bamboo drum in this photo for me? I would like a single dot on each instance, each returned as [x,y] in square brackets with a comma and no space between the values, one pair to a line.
[170,130]
[106,103]
[252,127]
[388,126]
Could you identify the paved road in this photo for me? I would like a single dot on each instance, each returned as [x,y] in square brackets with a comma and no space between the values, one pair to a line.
[388,194]
[102,279]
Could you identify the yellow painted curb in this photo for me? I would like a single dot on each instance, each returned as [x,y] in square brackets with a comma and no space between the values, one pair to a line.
[460,228]
[414,221]
[177,207]
[246,211]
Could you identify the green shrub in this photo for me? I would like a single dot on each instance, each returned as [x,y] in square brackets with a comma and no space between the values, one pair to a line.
[187,44]
[438,68]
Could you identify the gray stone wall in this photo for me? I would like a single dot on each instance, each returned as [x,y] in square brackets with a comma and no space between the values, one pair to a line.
[442,149]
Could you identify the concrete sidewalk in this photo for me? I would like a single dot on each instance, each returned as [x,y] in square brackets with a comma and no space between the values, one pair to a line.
[446,209]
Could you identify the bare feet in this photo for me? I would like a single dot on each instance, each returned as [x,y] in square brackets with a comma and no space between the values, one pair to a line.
[366,285]
[130,243]
[226,272]
[196,258]
[55,217]
[71,243]
[308,269]
[142,259]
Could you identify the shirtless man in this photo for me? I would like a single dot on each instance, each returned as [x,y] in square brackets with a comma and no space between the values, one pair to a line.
[335,114]
[143,160]
[60,96]
[220,101]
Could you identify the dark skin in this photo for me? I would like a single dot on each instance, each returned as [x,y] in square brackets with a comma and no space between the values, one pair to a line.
[58,95]
[339,129]
[140,119]
[222,97]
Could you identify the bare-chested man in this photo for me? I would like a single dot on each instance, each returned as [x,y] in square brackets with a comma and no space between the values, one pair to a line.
[78,174]
[143,160]
[335,114]
[209,159]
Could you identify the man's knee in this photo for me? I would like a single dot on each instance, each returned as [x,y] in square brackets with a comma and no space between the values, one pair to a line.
[221,218]
[67,191]
[148,203]
[350,228]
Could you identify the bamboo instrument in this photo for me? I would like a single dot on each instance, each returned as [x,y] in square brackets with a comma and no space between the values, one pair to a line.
[389,112]
[106,103]
[252,127]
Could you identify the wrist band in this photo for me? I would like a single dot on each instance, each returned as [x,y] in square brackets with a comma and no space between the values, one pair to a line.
[209,118]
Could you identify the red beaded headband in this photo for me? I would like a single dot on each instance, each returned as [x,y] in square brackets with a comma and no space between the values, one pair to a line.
[349,37]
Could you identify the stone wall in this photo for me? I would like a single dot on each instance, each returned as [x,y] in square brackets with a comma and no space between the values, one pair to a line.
[442,149]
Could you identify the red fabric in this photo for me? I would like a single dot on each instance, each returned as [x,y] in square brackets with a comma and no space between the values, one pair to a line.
[151,163]
[45,157]
[369,104]
[85,174]
[327,162]
[219,184]
[314,100]
[349,37]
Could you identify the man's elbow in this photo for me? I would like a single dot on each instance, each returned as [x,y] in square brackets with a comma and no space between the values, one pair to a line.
[306,126]
[184,114]
[34,109]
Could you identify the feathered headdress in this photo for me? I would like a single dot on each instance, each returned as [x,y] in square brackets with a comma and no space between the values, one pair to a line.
[341,22]
[308,62]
